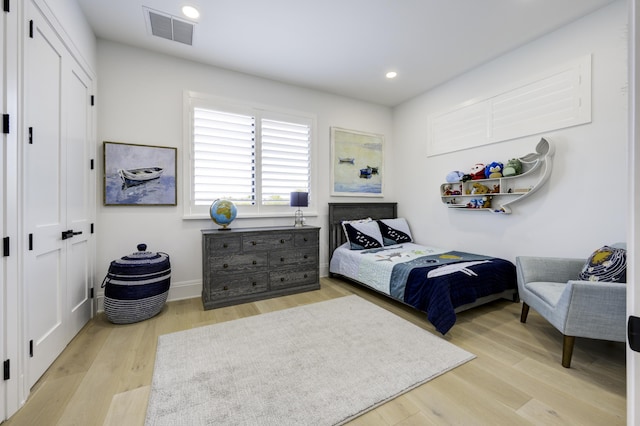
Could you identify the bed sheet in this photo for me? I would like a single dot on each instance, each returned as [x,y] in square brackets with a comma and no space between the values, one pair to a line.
[431,279]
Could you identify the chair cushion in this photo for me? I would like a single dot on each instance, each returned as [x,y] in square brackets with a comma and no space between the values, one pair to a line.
[606,264]
[549,292]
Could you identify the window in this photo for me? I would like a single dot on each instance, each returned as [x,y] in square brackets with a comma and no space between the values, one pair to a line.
[253,156]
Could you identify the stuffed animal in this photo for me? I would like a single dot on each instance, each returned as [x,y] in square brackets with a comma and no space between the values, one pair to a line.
[513,167]
[479,203]
[477,171]
[493,170]
[486,202]
[479,188]
[467,177]
[454,176]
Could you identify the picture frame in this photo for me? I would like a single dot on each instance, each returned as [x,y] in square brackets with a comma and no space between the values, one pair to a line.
[357,166]
[139,175]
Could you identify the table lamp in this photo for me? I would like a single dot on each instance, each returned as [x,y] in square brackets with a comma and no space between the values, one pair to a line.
[299,199]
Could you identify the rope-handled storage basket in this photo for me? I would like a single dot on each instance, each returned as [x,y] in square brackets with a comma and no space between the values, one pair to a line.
[136,286]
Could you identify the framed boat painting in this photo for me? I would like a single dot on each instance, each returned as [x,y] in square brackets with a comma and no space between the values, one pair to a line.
[139,175]
[356,163]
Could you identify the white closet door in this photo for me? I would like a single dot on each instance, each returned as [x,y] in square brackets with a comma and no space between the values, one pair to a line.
[77,124]
[56,194]
[3,171]
[45,200]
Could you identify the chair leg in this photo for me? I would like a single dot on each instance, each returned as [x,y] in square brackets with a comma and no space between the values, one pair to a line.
[567,350]
[525,312]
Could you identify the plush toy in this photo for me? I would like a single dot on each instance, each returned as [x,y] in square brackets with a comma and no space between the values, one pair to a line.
[513,167]
[493,170]
[479,203]
[454,176]
[466,178]
[477,171]
[479,188]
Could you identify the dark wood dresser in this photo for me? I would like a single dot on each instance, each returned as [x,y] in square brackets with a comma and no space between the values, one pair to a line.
[247,264]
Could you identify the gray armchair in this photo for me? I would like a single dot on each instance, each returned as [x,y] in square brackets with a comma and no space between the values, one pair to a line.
[596,310]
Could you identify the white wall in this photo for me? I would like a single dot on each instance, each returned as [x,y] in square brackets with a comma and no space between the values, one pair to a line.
[140,101]
[582,206]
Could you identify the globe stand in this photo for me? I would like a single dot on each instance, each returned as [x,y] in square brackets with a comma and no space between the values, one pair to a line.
[223,212]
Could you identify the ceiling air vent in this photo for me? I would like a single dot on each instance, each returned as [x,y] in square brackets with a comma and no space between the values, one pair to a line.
[167,26]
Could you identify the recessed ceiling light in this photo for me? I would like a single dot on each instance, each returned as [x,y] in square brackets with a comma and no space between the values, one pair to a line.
[190,12]
[392,74]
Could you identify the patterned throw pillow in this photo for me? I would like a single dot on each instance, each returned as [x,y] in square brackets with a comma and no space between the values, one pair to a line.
[608,264]
[362,234]
[394,231]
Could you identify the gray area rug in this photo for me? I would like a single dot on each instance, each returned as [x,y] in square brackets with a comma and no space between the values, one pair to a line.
[318,364]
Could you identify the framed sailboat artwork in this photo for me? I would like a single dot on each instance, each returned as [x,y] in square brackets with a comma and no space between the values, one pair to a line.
[139,175]
[356,163]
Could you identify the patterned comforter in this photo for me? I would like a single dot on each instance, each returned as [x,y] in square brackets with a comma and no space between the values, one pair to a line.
[430,279]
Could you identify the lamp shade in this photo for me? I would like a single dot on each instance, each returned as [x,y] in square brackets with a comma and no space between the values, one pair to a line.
[299,199]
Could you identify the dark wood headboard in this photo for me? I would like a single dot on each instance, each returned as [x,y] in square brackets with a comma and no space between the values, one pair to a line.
[339,212]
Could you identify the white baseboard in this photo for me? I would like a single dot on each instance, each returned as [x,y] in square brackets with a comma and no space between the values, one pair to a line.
[185,290]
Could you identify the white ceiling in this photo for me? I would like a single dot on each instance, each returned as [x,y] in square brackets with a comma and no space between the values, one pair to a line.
[344,46]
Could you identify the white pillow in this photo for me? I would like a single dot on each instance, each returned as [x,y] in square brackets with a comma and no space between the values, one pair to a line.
[394,231]
[362,234]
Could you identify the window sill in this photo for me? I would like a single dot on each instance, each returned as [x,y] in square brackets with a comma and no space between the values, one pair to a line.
[253,216]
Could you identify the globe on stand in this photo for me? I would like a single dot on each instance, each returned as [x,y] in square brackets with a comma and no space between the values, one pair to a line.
[223,212]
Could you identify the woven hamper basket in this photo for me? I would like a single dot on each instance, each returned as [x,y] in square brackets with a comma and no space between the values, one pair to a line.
[136,286]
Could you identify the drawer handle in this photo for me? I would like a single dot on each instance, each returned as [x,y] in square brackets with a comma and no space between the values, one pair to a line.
[254,283]
[282,259]
[305,239]
[305,275]
[281,241]
[282,279]
[253,243]
[255,262]
[225,288]
[225,245]
[306,256]
[225,265]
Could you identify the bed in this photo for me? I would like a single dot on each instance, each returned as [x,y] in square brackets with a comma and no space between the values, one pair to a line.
[437,281]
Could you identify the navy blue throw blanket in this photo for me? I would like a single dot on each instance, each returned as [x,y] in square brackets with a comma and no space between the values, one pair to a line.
[438,284]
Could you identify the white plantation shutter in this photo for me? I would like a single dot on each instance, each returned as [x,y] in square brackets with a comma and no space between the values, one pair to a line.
[223,157]
[285,160]
[248,155]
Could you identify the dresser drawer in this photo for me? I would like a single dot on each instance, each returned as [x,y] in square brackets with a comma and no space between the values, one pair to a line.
[232,286]
[267,241]
[293,257]
[245,265]
[292,278]
[306,239]
[221,246]
[239,262]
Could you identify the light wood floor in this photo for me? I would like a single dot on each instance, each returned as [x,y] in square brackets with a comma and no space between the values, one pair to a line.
[104,375]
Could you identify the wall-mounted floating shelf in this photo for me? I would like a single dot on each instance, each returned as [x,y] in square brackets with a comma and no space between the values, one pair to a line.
[503,191]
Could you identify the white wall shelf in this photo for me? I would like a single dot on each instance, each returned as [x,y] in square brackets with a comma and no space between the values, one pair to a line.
[503,191]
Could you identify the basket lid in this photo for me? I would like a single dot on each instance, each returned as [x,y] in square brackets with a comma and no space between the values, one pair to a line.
[142,256]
